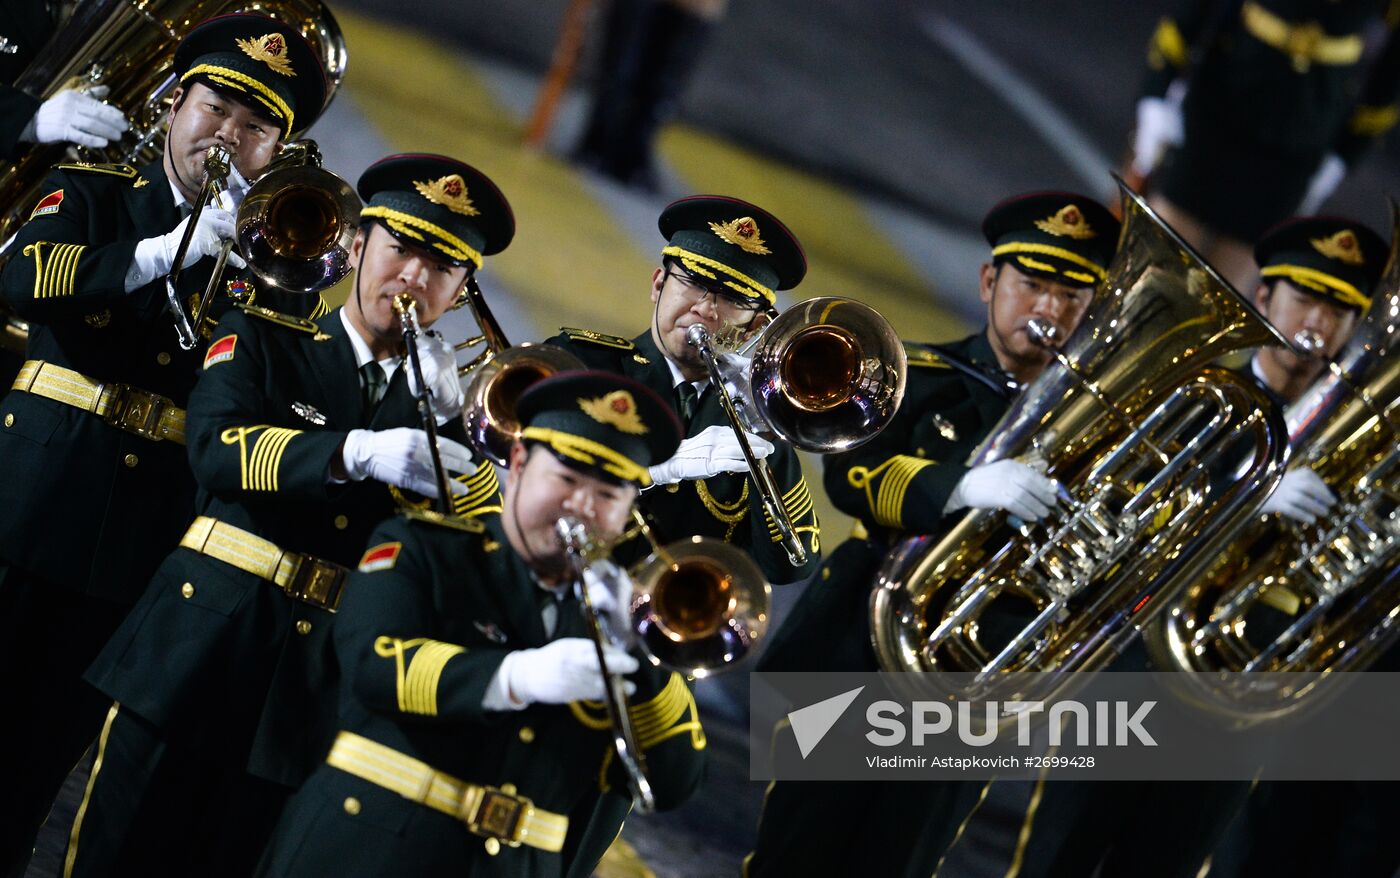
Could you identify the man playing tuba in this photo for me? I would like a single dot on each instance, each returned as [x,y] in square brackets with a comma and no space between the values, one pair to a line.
[100,486]
[1049,250]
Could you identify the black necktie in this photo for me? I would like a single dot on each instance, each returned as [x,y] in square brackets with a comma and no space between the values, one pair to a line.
[373,384]
[686,398]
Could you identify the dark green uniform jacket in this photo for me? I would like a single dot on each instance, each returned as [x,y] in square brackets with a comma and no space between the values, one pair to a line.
[420,634]
[896,483]
[726,506]
[93,508]
[264,425]
[1275,85]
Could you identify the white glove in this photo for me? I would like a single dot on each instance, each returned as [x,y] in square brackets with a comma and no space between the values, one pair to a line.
[1324,182]
[440,373]
[714,451]
[563,670]
[236,186]
[1301,495]
[400,457]
[76,117]
[155,257]
[1005,484]
[1158,127]
[610,592]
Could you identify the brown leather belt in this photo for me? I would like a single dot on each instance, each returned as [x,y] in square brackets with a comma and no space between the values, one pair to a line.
[148,415]
[304,578]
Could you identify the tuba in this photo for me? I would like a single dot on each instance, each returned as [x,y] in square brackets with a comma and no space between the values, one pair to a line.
[128,45]
[1336,583]
[1124,418]
[826,375]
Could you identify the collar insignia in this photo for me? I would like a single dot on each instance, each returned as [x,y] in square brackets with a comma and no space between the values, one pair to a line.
[742,233]
[310,413]
[1068,222]
[945,427]
[450,192]
[271,49]
[1342,246]
[617,409]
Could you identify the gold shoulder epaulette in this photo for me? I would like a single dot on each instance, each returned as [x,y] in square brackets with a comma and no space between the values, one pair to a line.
[919,355]
[454,522]
[116,170]
[300,324]
[611,341]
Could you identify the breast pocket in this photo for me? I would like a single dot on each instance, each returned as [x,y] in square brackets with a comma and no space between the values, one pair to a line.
[31,417]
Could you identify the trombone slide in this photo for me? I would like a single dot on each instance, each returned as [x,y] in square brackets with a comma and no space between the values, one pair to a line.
[700,339]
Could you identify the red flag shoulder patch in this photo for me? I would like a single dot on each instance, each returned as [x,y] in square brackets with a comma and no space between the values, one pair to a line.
[381,557]
[220,351]
[48,204]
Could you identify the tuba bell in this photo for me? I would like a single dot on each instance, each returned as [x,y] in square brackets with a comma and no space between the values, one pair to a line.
[1333,585]
[129,46]
[1123,417]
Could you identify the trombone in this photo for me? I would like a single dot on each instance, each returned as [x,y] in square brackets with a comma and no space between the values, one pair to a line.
[294,227]
[699,606]
[217,163]
[826,375]
[503,373]
[407,309]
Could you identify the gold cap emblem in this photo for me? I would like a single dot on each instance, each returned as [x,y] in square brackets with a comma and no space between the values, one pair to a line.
[1342,246]
[1068,222]
[450,192]
[742,233]
[617,409]
[271,49]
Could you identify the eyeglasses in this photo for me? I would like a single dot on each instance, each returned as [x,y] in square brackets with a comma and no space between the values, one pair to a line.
[693,290]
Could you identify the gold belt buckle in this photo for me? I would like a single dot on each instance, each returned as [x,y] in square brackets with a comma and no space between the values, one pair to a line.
[501,815]
[136,411]
[1300,44]
[318,583]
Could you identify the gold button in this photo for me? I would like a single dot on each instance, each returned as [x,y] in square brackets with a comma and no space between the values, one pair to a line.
[527,734]
[352,806]
[163,358]
[508,789]
[303,626]
[826,573]
[131,460]
[493,847]
[187,590]
[341,522]
[673,487]
[9,420]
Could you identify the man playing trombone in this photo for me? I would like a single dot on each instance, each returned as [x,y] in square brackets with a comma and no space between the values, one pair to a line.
[100,488]
[722,264]
[471,738]
[1049,251]
[303,435]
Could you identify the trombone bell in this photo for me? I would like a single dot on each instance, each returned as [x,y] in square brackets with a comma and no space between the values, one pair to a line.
[699,606]
[821,366]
